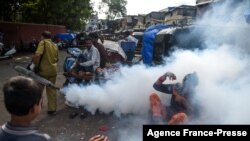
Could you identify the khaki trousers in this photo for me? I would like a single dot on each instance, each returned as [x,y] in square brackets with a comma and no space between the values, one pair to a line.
[51,94]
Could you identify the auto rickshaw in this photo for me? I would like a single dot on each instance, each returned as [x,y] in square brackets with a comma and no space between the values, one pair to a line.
[170,39]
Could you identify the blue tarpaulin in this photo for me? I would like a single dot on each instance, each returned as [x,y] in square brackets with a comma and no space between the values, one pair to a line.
[148,42]
[65,36]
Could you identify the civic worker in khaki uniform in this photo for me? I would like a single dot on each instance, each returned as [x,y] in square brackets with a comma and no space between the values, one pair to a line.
[46,58]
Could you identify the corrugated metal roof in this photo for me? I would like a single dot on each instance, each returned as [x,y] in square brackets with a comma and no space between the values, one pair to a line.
[202,2]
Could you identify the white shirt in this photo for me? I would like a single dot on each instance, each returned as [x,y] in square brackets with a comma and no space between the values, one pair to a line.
[93,57]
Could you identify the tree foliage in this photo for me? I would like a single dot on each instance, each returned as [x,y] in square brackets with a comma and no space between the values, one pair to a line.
[9,9]
[71,13]
[116,8]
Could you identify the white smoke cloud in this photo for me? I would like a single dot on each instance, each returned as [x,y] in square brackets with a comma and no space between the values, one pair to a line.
[129,91]
[124,95]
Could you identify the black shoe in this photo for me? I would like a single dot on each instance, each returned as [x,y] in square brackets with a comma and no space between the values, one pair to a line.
[51,113]
[83,115]
[73,115]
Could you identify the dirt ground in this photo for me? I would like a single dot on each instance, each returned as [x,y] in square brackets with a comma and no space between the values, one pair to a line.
[60,127]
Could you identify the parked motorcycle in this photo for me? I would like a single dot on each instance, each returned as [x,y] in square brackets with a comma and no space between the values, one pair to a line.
[33,45]
[68,63]
[6,53]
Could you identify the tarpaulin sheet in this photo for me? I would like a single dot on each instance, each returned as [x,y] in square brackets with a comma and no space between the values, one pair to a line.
[148,42]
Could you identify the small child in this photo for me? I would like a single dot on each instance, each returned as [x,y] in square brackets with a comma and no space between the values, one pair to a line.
[23,100]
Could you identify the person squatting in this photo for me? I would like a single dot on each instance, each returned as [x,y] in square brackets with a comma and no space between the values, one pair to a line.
[181,105]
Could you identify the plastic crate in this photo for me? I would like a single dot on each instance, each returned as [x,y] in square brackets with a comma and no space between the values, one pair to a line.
[128,46]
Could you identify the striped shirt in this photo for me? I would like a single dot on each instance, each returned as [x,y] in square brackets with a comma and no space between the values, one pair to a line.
[9,132]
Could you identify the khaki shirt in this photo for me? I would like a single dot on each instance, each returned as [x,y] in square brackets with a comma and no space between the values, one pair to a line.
[49,58]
